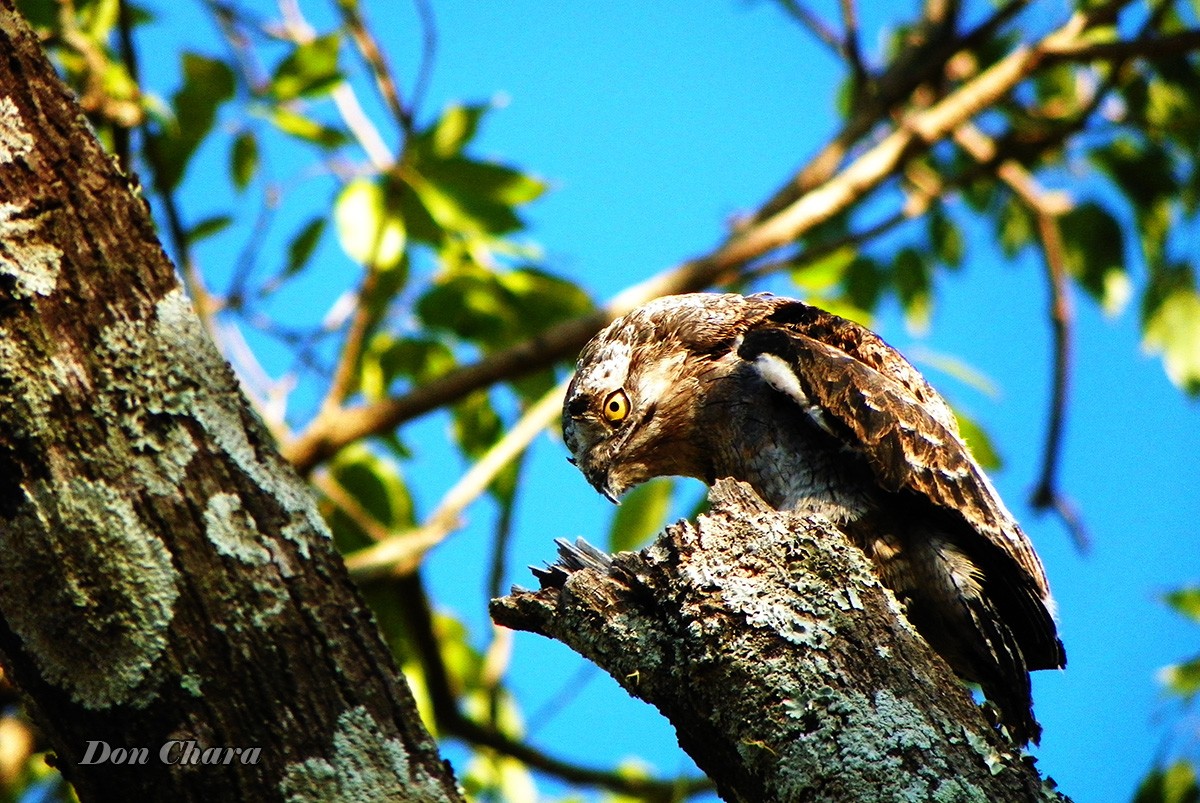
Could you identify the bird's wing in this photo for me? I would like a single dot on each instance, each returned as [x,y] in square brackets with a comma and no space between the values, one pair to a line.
[866,394]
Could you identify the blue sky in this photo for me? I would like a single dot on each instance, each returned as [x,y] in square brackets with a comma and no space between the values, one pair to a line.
[657,122]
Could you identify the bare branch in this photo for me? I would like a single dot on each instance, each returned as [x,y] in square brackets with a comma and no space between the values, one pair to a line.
[1046,208]
[812,22]
[429,39]
[851,47]
[916,133]
[1145,48]
[371,53]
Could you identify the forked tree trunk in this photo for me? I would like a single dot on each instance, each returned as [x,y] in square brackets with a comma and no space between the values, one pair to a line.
[165,577]
[788,671]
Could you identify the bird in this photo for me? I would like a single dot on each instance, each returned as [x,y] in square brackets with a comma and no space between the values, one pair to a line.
[820,416]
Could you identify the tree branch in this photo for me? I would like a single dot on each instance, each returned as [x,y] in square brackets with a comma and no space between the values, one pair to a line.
[329,433]
[837,697]
[450,720]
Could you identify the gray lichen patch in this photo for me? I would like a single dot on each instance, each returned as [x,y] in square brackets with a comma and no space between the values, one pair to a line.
[27,256]
[177,330]
[364,767]
[232,531]
[871,767]
[15,140]
[89,589]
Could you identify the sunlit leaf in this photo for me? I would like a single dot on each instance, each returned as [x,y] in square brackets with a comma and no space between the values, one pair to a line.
[1015,227]
[377,486]
[979,442]
[455,128]
[542,299]
[476,424]
[311,69]
[305,128]
[824,273]
[369,226]
[1182,679]
[642,513]
[1186,601]
[1175,784]
[243,159]
[1173,330]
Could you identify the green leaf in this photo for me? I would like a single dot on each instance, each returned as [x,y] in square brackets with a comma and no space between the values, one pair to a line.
[369,225]
[1015,227]
[1175,784]
[454,129]
[208,227]
[476,424]
[416,359]
[826,272]
[864,282]
[485,182]
[1094,250]
[1186,601]
[642,513]
[946,238]
[982,447]
[471,306]
[243,159]
[1173,329]
[541,299]
[207,83]
[377,486]
[301,248]
[305,128]
[1182,679]
[311,69]
[914,278]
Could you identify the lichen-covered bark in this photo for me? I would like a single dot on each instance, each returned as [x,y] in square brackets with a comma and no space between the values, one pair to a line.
[164,576]
[787,670]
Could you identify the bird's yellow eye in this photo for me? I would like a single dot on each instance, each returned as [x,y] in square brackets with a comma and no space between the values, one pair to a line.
[616,406]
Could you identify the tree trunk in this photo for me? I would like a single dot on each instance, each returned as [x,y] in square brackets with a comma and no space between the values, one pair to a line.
[166,583]
[788,671]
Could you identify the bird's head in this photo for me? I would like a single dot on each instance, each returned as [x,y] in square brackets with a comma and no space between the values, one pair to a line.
[630,413]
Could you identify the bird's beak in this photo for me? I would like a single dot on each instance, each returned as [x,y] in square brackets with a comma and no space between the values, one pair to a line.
[599,479]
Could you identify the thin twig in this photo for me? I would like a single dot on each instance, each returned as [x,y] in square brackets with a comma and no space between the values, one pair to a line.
[402,552]
[851,47]
[810,21]
[1046,208]
[429,42]
[504,529]
[371,53]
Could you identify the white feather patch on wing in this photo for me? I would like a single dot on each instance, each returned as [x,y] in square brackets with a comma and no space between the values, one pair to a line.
[779,375]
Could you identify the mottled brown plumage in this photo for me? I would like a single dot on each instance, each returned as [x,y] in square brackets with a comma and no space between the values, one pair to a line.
[820,415]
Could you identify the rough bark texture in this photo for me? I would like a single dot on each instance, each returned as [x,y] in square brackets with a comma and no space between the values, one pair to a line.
[164,574]
[788,671]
